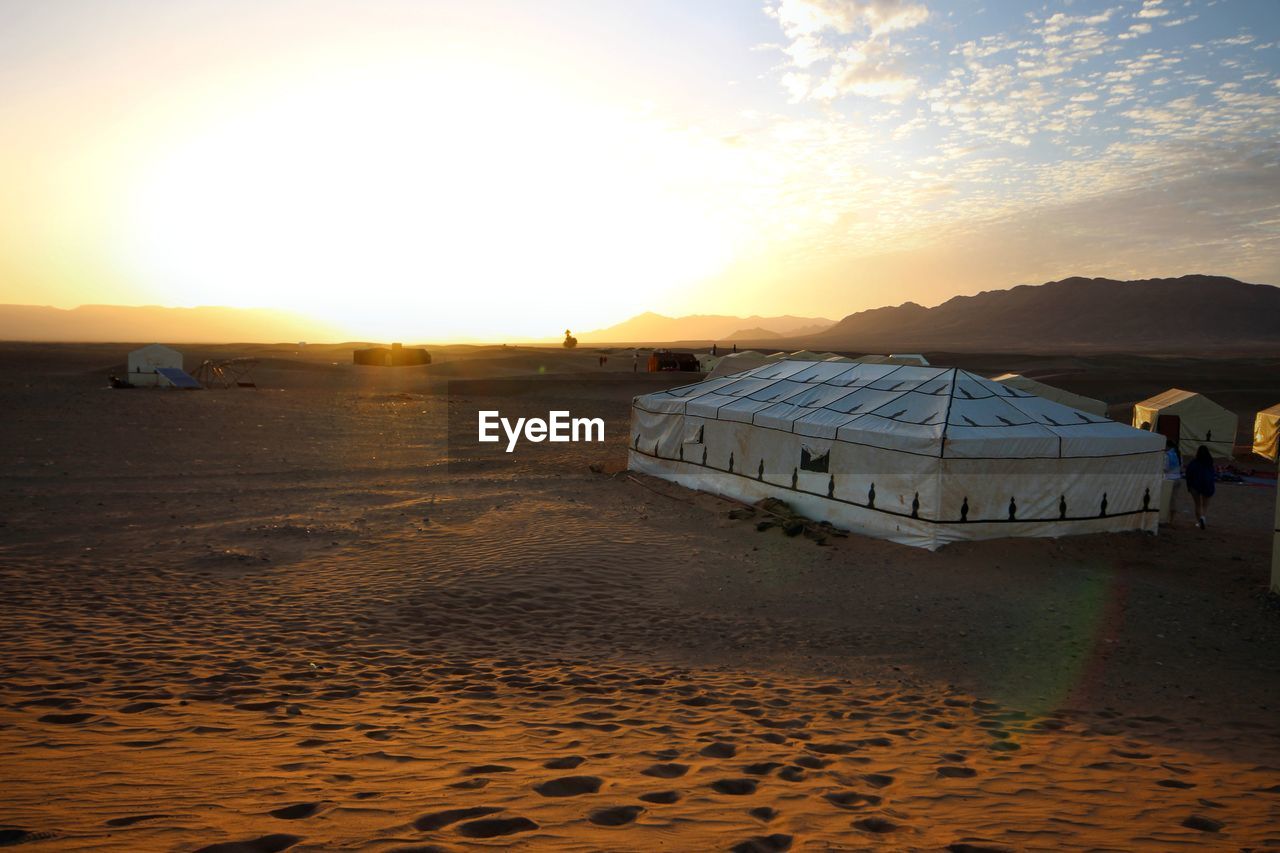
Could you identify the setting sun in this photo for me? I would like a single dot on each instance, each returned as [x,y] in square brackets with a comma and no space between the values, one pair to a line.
[395,199]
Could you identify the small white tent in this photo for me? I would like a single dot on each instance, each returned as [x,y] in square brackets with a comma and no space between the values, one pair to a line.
[145,362]
[1049,392]
[1199,420]
[909,358]
[1266,435]
[918,455]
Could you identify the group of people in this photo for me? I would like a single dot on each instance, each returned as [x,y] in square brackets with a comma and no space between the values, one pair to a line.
[1200,478]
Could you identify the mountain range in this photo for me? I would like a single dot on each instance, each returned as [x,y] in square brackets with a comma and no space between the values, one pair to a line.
[117,323]
[652,328]
[1184,315]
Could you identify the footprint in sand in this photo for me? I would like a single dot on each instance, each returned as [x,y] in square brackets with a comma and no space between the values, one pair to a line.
[812,762]
[493,827]
[764,814]
[666,771]
[877,825]
[65,719]
[878,780]
[139,707]
[481,769]
[735,787]
[569,786]
[616,816]
[793,774]
[1202,823]
[298,811]
[719,749]
[439,820]
[132,819]
[775,843]
[569,762]
[471,784]
[852,799]
[1175,783]
[763,768]
[664,798]
[953,772]
[265,844]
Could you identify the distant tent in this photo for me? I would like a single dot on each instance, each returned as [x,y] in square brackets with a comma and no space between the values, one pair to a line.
[707,362]
[1266,434]
[737,362]
[145,362]
[776,356]
[1049,392]
[805,355]
[909,358]
[918,455]
[1195,419]
[840,358]
[395,355]
[871,358]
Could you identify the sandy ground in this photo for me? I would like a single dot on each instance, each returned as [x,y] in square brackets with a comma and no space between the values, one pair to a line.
[313,616]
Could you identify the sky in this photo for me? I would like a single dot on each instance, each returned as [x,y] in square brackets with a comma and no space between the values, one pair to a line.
[493,170]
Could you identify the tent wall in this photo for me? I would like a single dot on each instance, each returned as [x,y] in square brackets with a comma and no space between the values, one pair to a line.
[911,498]
[1266,433]
[142,364]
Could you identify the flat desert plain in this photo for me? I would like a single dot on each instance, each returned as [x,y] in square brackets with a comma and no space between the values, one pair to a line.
[313,616]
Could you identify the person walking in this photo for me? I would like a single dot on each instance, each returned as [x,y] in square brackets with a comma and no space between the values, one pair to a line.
[1172,484]
[1200,483]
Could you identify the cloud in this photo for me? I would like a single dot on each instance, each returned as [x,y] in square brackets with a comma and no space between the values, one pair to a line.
[868,69]
[1152,9]
[810,17]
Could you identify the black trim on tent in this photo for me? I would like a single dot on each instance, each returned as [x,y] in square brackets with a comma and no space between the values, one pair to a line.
[964,509]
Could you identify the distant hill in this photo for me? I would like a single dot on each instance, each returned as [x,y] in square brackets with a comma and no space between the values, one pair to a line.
[93,323]
[1182,315]
[756,334]
[655,328]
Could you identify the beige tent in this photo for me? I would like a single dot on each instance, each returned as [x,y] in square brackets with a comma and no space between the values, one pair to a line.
[1200,421]
[1266,435]
[737,362]
[1057,395]
[804,355]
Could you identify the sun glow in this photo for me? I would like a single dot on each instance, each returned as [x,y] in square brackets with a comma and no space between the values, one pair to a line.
[436,203]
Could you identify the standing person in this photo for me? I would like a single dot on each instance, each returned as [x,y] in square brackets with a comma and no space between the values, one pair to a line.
[635,361]
[1200,483]
[1172,484]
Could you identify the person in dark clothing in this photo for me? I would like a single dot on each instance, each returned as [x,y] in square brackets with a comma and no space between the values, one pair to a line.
[1200,483]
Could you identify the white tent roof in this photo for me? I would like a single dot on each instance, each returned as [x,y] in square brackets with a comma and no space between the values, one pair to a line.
[1050,392]
[930,411]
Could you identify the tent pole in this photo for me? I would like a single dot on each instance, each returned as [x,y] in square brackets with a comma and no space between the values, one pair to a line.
[1275,548]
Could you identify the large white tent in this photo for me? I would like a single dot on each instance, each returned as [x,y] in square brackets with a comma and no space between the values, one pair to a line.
[1199,421]
[1049,392]
[918,455]
[146,362]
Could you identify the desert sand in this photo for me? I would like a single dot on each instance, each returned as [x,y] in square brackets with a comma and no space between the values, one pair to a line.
[313,616]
